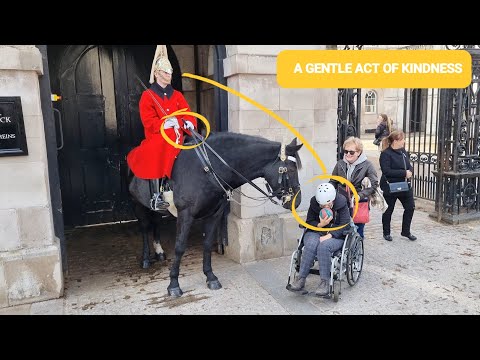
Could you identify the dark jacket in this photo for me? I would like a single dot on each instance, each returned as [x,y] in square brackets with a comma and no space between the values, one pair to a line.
[393,166]
[381,131]
[361,171]
[341,215]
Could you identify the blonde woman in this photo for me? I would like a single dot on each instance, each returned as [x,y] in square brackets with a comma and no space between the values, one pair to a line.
[355,167]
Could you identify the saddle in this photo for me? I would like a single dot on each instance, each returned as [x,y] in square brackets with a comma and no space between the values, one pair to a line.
[140,190]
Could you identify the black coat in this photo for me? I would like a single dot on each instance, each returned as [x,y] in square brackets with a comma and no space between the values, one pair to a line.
[394,165]
[341,215]
[381,131]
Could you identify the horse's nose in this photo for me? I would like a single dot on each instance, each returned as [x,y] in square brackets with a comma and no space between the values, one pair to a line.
[288,205]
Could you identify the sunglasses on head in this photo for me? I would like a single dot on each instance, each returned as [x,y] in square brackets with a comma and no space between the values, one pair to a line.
[351,152]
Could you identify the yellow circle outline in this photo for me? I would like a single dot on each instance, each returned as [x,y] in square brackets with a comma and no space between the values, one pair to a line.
[296,133]
[341,180]
[266,111]
[183,112]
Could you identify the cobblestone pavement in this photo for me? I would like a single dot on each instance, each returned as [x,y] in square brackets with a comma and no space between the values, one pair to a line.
[437,274]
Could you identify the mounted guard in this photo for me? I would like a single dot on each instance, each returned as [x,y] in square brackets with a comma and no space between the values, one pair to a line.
[153,159]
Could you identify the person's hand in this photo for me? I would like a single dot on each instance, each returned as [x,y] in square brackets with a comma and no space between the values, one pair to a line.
[188,125]
[409,174]
[325,237]
[325,221]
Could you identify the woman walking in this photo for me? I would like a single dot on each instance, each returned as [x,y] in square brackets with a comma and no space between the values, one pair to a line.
[396,167]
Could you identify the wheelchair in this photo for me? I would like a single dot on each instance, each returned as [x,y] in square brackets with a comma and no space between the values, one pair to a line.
[346,263]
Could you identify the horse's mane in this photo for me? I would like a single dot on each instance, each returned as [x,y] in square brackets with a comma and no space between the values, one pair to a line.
[236,139]
[218,137]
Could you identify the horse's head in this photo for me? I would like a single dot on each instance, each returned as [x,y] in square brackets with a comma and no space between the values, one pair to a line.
[282,175]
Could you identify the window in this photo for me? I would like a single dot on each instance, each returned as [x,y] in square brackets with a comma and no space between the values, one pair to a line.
[370,102]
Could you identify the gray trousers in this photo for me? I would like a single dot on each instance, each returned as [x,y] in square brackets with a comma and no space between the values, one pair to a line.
[322,250]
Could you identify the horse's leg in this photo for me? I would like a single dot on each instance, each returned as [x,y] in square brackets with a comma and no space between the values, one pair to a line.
[159,253]
[210,232]
[146,247]
[184,223]
[144,226]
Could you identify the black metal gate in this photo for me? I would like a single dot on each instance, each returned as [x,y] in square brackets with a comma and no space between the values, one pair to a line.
[459,148]
[442,128]
[420,124]
[348,112]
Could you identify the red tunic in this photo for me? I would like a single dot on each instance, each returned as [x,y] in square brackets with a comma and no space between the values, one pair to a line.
[154,157]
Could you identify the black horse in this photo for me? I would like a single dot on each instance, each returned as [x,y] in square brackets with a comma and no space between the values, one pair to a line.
[200,184]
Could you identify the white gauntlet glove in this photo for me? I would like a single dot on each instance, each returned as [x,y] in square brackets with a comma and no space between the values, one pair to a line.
[188,125]
[171,122]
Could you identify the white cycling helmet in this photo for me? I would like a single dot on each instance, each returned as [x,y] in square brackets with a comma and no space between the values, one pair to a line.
[325,193]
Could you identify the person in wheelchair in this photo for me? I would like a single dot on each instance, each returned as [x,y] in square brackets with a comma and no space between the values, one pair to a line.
[322,244]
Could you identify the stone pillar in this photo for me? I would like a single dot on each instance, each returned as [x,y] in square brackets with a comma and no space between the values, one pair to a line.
[269,231]
[30,263]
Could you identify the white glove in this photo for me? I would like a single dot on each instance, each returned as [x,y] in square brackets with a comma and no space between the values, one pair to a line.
[171,122]
[188,125]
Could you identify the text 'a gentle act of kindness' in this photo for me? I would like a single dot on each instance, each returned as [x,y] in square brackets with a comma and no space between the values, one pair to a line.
[377,68]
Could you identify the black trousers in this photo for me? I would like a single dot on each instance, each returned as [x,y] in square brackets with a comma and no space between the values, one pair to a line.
[406,198]
[154,186]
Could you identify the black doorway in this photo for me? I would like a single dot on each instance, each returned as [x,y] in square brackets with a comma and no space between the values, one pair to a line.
[98,123]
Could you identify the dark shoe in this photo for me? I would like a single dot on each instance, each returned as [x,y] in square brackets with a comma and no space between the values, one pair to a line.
[410,237]
[323,289]
[388,237]
[157,203]
[298,284]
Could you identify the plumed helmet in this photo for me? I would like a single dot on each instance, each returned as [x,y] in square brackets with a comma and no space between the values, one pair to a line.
[160,62]
[325,193]
[163,63]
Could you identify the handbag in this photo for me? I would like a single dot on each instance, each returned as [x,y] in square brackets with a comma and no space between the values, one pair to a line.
[401,186]
[397,187]
[377,141]
[363,213]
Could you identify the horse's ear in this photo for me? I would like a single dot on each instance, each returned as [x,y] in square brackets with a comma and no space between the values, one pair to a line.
[293,147]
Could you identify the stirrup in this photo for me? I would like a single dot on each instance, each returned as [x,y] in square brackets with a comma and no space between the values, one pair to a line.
[157,203]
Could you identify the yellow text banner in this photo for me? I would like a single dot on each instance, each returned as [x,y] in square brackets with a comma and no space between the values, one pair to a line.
[374,69]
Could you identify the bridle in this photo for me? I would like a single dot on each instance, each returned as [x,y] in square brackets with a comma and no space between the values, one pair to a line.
[285,191]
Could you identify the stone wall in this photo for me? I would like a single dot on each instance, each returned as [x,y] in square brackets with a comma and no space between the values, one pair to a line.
[30,265]
[269,231]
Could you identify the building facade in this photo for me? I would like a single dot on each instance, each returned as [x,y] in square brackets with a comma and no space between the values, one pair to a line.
[38,201]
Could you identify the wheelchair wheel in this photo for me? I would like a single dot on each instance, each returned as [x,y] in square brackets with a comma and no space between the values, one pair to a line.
[355,260]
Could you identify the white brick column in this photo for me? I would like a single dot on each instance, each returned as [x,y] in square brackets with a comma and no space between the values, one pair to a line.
[269,231]
[30,264]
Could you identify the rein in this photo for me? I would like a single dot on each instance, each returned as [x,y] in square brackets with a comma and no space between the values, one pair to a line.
[208,168]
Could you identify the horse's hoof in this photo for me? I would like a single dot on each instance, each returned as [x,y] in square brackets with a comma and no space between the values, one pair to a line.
[214,285]
[175,292]
[161,257]
[145,264]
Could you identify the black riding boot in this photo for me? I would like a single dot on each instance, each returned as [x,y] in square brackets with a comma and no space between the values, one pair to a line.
[157,203]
